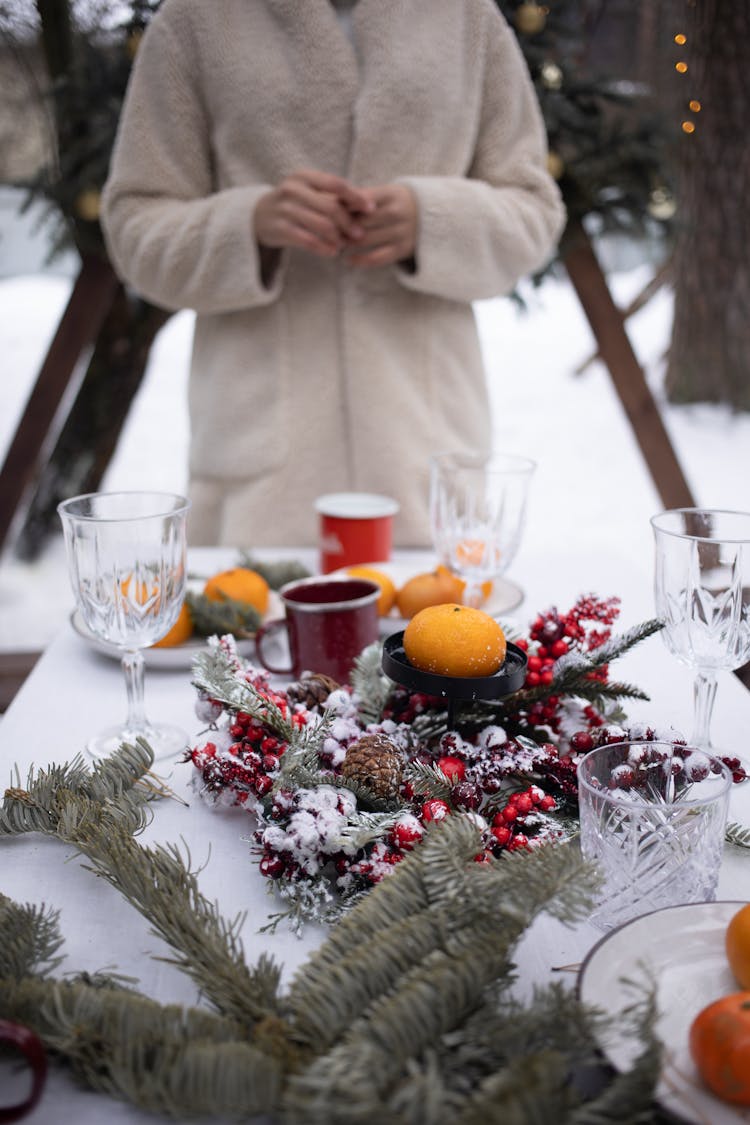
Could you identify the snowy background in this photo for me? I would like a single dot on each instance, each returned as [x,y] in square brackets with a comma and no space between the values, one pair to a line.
[591,483]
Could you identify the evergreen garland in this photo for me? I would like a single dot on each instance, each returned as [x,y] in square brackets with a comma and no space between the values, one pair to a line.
[402,1015]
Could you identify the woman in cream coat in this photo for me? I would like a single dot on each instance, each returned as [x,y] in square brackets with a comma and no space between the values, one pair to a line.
[329,200]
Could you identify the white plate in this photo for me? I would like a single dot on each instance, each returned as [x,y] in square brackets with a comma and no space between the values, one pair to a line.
[505,595]
[682,948]
[176,656]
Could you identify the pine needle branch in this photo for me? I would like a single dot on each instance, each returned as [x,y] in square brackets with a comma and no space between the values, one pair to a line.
[738,834]
[215,674]
[162,1058]
[30,939]
[206,947]
[370,686]
[39,805]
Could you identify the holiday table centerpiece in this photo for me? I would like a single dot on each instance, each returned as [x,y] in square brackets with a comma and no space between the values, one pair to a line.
[344,779]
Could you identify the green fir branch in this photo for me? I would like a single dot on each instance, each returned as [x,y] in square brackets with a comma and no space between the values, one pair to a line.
[165,891]
[277,573]
[162,1058]
[30,939]
[371,687]
[738,834]
[118,781]
[428,780]
[227,615]
[572,672]
[216,674]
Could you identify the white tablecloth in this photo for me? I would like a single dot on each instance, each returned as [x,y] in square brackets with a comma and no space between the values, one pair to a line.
[74,691]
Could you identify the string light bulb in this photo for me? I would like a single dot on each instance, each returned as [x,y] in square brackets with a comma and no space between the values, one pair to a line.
[688,127]
[680,39]
[681,67]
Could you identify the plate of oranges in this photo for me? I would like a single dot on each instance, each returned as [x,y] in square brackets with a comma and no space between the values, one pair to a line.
[236,600]
[403,593]
[698,957]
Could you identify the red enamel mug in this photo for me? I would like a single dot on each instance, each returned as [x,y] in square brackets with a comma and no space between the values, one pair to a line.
[355,527]
[328,622]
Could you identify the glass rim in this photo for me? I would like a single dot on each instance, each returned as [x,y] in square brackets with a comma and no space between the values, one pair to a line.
[654,521]
[174,501]
[724,775]
[516,462]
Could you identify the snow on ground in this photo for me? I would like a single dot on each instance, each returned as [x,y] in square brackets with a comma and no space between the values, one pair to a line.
[591,482]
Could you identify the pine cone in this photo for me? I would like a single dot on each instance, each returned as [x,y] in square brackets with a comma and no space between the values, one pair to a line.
[375,763]
[312,690]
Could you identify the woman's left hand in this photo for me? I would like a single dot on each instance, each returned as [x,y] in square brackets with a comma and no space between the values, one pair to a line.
[389,229]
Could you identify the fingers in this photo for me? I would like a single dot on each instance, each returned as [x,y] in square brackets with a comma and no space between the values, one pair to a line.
[389,232]
[325,215]
[354,200]
[308,210]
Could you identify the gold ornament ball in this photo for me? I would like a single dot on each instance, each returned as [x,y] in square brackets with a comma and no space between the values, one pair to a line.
[662,204]
[555,165]
[530,19]
[552,76]
[88,205]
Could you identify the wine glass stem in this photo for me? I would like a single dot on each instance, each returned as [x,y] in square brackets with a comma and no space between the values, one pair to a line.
[704,693]
[132,666]
[473,593]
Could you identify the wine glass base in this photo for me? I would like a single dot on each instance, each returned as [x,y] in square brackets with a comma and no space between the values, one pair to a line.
[166,741]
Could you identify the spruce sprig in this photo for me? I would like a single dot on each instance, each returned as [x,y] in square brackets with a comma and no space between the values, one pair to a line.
[31,939]
[738,834]
[370,686]
[572,672]
[215,674]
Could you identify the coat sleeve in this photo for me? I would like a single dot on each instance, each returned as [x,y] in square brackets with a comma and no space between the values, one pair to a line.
[174,238]
[479,234]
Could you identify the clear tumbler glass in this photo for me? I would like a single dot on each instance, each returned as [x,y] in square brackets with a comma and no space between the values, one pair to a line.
[652,818]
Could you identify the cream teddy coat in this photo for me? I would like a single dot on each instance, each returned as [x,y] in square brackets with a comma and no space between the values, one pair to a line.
[331,378]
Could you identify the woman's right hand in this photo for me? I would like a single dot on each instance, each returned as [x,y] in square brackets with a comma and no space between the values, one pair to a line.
[313,211]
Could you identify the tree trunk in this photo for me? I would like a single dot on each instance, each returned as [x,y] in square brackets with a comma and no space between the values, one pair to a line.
[709,359]
[89,437]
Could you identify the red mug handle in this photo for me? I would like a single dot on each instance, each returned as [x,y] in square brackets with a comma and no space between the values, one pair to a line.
[261,634]
[29,1045]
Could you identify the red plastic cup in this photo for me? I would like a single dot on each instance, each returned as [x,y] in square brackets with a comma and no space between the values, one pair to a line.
[355,527]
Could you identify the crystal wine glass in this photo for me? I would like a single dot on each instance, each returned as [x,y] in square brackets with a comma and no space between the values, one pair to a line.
[702,593]
[126,555]
[477,510]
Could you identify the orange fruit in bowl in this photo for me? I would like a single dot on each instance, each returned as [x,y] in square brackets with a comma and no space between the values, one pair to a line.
[239,584]
[181,631]
[433,587]
[719,1041]
[387,598]
[737,944]
[455,640]
[142,594]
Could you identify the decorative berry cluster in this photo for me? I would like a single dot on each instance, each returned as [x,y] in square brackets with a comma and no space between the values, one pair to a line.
[689,767]
[553,635]
[240,759]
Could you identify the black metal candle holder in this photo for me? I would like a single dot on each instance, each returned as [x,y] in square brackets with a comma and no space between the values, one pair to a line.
[508,679]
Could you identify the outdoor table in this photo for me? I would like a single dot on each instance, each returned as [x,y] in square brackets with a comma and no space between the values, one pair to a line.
[73,691]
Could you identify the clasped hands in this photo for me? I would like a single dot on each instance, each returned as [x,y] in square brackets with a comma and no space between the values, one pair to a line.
[327,216]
